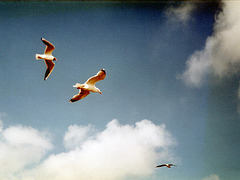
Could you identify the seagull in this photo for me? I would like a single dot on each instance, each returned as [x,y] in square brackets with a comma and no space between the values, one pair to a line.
[88,86]
[48,57]
[167,165]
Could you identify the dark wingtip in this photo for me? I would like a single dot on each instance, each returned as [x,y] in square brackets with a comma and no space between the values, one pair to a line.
[71,101]
[103,70]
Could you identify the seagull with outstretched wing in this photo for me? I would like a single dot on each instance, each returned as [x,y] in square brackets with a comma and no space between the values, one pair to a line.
[88,86]
[48,57]
[167,165]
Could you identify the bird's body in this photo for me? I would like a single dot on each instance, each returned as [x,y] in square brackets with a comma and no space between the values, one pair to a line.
[167,165]
[88,86]
[48,57]
[45,57]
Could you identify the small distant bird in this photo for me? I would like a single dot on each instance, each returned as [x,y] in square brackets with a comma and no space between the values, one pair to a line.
[88,86]
[48,57]
[167,165]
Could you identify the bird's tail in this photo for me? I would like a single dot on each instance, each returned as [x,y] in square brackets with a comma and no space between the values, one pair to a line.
[78,86]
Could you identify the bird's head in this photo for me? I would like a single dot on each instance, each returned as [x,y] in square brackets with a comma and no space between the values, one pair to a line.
[98,90]
[54,59]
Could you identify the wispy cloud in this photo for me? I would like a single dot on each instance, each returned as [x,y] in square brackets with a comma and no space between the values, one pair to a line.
[114,153]
[212,177]
[221,55]
[182,13]
[198,66]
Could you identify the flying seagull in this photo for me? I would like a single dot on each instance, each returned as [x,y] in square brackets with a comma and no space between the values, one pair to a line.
[88,86]
[167,165]
[48,57]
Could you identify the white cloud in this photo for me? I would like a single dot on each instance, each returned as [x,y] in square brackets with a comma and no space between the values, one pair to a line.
[198,66]
[21,147]
[221,55]
[114,153]
[181,13]
[76,135]
[212,177]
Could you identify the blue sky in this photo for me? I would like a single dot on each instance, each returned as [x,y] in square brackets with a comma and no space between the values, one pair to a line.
[171,94]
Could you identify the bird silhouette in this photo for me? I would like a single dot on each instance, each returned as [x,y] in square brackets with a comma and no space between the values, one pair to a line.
[167,165]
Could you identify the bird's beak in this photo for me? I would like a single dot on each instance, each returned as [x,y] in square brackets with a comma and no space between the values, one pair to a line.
[100,92]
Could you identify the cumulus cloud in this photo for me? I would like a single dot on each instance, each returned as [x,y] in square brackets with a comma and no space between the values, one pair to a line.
[21,147]
[212,177]
[76,135]
[182,13]
[117,152]
[221,55]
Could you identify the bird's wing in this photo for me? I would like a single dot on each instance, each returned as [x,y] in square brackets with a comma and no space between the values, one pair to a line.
[172,165]
[82,94]
[50,66]
[161,165]
[98,77]
[50,47]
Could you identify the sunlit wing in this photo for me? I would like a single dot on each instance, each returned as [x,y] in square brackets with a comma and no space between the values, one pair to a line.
[50,66]
[82,94]
[49,47]
[98,77]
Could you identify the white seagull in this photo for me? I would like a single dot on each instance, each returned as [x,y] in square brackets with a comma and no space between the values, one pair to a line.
[88,86]
[167,165]
[48,57]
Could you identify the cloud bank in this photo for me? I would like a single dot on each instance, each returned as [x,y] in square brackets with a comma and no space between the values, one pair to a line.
[117,152]
[221,55]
